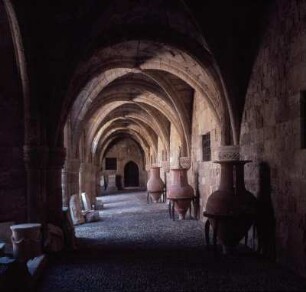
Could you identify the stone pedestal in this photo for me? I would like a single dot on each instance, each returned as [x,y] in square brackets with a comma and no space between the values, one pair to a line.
[26,239]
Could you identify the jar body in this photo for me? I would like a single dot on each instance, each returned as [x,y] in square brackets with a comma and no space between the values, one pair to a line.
[180,191]
[155,185]
[232,207]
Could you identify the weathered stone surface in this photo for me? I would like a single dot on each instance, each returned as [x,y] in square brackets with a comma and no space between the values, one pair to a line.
[204,173]
[178,70]
[92,216]
[125,151]
[75,210]
[274,96]
[86,202]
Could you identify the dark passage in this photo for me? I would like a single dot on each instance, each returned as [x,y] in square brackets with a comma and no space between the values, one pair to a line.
[136,247]
[131,175]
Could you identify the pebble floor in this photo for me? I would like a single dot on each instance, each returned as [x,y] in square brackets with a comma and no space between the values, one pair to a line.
[136,247]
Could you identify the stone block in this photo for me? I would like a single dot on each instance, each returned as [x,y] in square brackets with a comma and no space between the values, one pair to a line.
[75,210]
[86,202]
[92,216]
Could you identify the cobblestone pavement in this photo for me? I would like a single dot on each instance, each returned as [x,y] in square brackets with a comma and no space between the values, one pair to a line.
[136,247]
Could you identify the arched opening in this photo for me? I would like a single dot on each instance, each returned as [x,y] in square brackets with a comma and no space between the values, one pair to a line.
[131,175]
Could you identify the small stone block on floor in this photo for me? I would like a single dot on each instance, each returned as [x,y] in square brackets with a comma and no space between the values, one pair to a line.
[92,216]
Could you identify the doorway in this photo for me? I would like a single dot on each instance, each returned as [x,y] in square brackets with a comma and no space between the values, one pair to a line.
[131,175]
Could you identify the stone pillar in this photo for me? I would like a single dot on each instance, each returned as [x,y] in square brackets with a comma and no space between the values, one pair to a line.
[82,178]
[111,183]
[70,180]
[94,182]
[35,158]
[88,180]
[54,187]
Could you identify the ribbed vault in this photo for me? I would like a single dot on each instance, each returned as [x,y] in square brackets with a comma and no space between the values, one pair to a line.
[143,89]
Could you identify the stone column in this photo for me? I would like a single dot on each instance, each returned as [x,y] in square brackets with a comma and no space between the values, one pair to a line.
[88,180]
[54,187]
[82,177]
[70,179]
[94,182]
[35,158]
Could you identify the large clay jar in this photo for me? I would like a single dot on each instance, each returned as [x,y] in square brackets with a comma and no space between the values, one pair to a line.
[233,206]
[155,185]
[180,191]
[26,240]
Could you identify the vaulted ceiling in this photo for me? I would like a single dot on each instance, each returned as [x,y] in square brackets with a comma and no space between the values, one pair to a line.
[131,67]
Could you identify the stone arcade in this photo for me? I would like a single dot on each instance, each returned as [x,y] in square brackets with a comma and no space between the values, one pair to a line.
[93,93]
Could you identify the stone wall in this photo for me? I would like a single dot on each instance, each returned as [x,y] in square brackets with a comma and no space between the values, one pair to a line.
[126,150]
[271,132]
[205,173]
[12,172]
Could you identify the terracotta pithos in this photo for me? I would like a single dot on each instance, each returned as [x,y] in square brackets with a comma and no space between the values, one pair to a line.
[180,191]
[155,185]
[234,206]
[26,239]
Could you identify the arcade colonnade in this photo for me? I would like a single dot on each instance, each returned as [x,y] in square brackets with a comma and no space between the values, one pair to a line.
[136,81]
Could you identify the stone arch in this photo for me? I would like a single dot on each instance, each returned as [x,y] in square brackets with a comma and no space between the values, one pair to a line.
[194,81]
[22,68]
[175,69]
[135,119]
[103,145]
[97,129]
